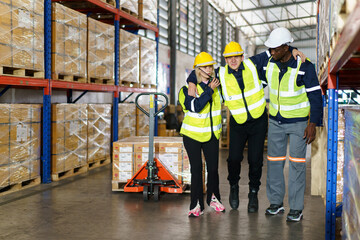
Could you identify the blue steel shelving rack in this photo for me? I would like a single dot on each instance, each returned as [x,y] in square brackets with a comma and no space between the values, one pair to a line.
[48,84]
[340,73]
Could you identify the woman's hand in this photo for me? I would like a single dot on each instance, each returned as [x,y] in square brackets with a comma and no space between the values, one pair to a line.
[214,83]
[192,90]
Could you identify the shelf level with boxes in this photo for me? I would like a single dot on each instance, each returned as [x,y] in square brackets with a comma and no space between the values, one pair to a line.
[21,77]
[340,68]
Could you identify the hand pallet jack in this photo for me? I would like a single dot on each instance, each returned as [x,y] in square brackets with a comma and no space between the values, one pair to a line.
[153,177]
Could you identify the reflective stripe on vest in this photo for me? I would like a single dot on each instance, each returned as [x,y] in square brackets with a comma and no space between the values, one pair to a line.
[198,125]
[253,92]
[288,98]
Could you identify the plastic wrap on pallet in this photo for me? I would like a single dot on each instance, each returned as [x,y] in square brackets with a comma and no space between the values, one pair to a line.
[99,132]
[324,36]
[351,203]
[127,120]
[319,156]
[130,5]
[147,61]
[129,57]
[20,137]
[22,34]
[149,10]
[100,64]
[69,137]
[69,29]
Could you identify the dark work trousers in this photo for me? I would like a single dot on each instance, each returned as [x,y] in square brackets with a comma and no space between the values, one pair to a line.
[211,153]
[253,132]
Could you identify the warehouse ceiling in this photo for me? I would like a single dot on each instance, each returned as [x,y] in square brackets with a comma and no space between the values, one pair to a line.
[257,18]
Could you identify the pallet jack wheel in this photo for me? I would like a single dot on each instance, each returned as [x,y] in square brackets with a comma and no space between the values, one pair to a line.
[146,193]
[156,192]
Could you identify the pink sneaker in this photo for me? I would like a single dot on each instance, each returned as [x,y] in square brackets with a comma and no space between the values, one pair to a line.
[196,211]
[216,205]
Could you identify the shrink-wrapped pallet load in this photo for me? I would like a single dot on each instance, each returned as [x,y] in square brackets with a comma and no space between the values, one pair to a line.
[148,10]
[22,38]
[129,58]
[147,62]
[130,6]
[69,139]
[69,29]
[127,120]
[99,133]
[100,56]
[20,138]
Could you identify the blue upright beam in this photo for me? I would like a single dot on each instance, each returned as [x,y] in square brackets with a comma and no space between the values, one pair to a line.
[116,75]
[46,121]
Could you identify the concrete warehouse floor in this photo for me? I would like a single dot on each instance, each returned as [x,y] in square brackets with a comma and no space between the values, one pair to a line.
[84,207]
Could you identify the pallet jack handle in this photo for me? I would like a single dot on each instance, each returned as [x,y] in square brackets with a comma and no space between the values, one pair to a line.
[144,111]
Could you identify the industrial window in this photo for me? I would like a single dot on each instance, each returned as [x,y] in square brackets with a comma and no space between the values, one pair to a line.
[214,34]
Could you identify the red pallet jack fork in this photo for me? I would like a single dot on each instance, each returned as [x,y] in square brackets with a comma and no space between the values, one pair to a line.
[153,177]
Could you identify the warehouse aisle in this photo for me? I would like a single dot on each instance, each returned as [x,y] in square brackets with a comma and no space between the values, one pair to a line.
[84,207]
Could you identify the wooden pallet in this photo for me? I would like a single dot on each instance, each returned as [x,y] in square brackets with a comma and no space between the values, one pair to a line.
[148,86]
[101,81]
[99,163]
[21,72]
[20,186]
[118,186]
[147,21]
[128,11]
[69,78]
[129,84]
[69,173]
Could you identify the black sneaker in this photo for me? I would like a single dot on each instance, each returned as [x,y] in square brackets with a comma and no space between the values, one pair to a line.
[234,196]
[275,209]
[294,216]
[253,205]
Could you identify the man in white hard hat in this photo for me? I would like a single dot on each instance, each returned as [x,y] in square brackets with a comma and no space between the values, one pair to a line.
[294,111]
[243,93]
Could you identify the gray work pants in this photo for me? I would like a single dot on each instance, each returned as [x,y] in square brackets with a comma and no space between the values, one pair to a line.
[278,136]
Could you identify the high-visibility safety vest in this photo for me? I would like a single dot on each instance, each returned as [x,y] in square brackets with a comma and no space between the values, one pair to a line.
[198,125]
[286,96]
[253,92]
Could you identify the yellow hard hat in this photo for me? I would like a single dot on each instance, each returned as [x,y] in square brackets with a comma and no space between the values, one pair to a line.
[203,59]
[233,49]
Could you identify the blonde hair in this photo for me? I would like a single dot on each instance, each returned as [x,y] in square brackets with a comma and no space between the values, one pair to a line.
[198,72]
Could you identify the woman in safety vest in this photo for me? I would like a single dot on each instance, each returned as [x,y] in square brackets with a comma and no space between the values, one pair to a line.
[201,130]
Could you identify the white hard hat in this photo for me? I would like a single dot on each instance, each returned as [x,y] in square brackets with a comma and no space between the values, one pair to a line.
[278,37]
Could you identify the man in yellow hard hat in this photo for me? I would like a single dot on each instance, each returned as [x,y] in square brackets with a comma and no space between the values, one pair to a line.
[242,90]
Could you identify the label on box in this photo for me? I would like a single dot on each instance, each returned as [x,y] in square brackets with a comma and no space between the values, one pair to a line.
[124,176]
[171,149]
[24,19]
[21,133]
[125,166]
[125,149]
[125,157]
[74,128]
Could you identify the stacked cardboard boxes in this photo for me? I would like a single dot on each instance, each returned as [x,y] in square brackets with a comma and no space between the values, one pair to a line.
[100,52]
[69,29]
[131,153]
[22,35]
[99,132]
[129,57]
[147,61]
[20,137]
[127,120]
[69,137]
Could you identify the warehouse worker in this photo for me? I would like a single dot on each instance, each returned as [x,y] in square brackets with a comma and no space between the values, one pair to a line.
[201,130]
[294,93]
[243,93]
